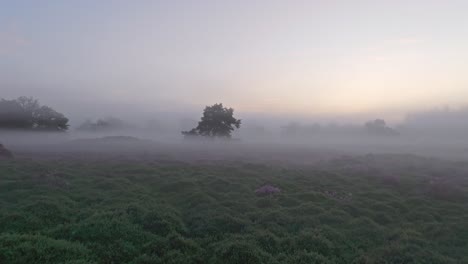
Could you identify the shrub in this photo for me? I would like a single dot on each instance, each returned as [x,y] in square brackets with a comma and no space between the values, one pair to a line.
[40,249]
[234,252]
[304,257]
[162,222]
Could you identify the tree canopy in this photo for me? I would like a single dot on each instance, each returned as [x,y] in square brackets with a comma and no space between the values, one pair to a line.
[379,127]
[217,121]
[26,113]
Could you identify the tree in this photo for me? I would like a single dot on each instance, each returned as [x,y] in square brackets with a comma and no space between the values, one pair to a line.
[217,121]
[48,119]
[12,115]
[105,124]
[379,127]
[27,113]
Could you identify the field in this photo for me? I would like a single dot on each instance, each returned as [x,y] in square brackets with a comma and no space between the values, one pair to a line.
[347,209]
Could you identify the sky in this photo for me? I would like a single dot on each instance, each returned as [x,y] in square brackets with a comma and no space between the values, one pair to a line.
[305,58]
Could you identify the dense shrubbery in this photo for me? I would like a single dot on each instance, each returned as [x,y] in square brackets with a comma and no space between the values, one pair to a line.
[141,213]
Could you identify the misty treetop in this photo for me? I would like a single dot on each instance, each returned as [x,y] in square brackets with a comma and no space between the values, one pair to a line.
[379,127]
[217,121]
[27,114]
[103,124]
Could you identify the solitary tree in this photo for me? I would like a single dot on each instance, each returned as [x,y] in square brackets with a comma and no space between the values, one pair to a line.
[217,121]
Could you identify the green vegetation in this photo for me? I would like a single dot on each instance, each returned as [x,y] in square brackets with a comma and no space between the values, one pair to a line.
[371,209]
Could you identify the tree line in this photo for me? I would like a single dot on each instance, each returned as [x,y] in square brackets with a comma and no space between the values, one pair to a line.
[217,121]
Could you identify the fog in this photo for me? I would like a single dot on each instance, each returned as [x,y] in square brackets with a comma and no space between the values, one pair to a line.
[246,131]
[435,133]
[313,75]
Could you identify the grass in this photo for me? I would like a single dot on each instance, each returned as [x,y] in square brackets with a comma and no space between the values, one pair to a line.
[369,209]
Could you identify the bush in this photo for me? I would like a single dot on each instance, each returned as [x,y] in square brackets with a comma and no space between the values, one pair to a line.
[234,252]
[40,249]
[162,222]
[304,257]
[111,237]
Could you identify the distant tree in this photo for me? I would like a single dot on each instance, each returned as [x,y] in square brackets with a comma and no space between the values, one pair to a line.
[379,127]
[27,113]
[298,130]
[106,124]
[217,121]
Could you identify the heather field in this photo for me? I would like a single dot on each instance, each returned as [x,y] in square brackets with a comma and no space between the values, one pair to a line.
[347,209]
[234,132]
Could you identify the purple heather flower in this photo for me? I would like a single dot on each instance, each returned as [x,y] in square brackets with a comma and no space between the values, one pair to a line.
[267,189]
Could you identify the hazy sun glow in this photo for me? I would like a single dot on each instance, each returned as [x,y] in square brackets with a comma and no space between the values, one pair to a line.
[301,57]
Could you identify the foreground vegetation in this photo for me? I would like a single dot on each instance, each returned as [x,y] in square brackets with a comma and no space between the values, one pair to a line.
[371,209]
